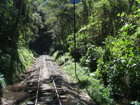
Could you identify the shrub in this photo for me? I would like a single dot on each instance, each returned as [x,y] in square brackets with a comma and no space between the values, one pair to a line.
[119,66]
[2,81]
[90,59]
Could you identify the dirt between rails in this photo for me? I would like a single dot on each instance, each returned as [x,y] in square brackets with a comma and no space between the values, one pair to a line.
[19,93]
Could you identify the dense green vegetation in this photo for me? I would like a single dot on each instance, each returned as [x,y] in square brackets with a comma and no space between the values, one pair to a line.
[88,82]
[17,29]
[107,35]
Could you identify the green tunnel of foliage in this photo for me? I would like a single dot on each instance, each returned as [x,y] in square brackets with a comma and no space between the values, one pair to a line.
[107,35]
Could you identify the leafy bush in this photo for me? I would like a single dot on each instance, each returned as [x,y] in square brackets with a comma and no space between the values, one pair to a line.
[91,57]
[135,103]
[25,56]
[57,54]
[84,38]
[120,65]
[2,81]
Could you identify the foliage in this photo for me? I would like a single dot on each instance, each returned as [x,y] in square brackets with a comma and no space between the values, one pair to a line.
[2,81]
[107,38]
[107,35]
[108,43]
[135,103]
[25,56]
[93,86]
[16,32]
[11,67]
[91,57]
[119,65]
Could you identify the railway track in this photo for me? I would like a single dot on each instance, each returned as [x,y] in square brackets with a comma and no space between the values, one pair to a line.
[50,86]
[48,91]
[46,84]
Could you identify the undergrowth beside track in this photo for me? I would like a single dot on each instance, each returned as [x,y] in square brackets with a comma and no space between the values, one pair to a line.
[13,63]
[88,82]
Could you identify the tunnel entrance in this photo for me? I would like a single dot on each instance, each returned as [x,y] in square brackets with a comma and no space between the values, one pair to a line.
[42,43]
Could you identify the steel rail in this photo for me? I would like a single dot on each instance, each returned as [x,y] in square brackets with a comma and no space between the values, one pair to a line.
[54,85]
[38,85]
[57,94]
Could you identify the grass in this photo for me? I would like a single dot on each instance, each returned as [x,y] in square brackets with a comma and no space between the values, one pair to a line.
[88,82]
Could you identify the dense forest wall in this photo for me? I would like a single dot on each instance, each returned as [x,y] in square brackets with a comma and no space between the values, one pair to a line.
[107,35]
[17,29]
